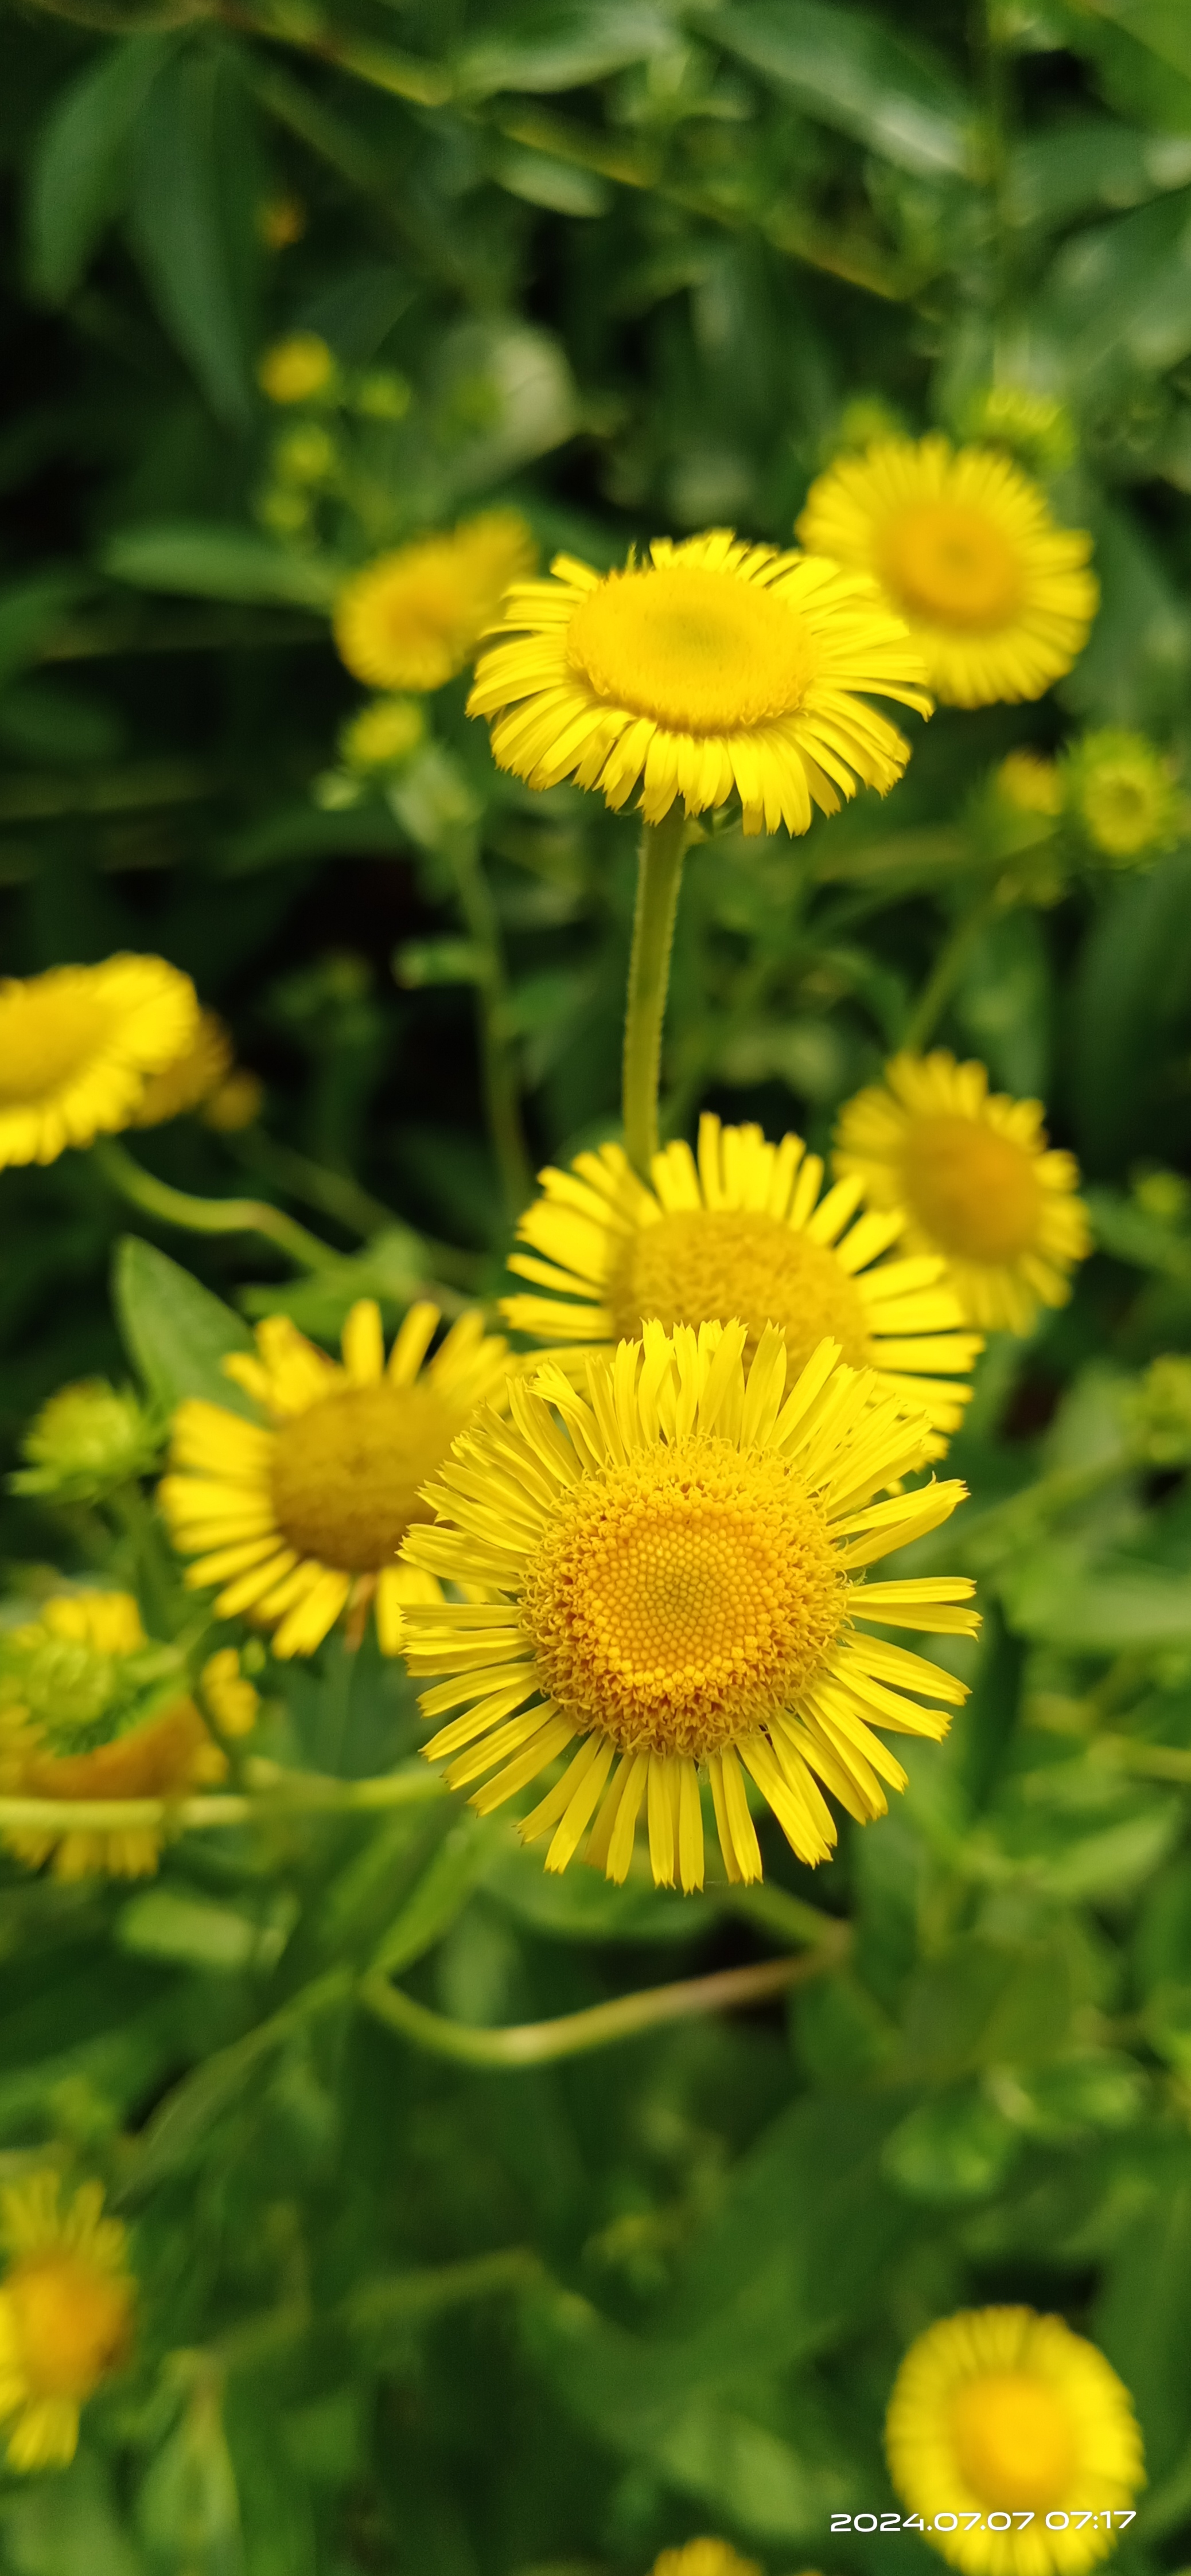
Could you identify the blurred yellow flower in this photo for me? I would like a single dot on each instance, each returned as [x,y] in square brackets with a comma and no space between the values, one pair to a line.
[302,1520]
[72,1676]
[77,1045]
[980,1186]
[998,2412]
[65,2314]
[704,2558]
[413,619]
[741,1232]
[1037,428]
[669,1578]
[1122,794]
[236,1103]
[998,599]
[715,669]
[380,735]
[190,1078]
[229,1697]
[1030,784]
[294,370]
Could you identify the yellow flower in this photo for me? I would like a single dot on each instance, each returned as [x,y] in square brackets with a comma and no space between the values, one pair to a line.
[65,2314]
[669,1577]
[228,1695]
[1037,428]
[997,598]
[973,1171]
[76,1045]
[383,733]
[717,669]
[413,619]
[190,1079]
[294,370]
[741,1232]
[74,1675]
[704,2558]
[1121,793]
[302,1520]
[1030,784]
[1000,2414]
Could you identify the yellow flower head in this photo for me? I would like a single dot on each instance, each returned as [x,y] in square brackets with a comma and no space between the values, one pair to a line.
[973,1170]
[1121,793]
[229,1697]
[295,370]
[302,1519]
[190,1079]
[413,619]
[382,734]
[91,1708]
[65,2314]
[1000,2413]
[76,1045]
[742,1232]
[671,1578]
[1036,428]
[1030,784]
[717,669]
[997,598]
[704,2558]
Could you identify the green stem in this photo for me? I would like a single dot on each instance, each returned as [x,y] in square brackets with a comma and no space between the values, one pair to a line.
[947,970]
[659,875]
[208,1216]
[493,1015]
[538,2043]
[273,1793]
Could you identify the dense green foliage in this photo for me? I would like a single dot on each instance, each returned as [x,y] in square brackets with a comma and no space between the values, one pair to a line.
[632,269]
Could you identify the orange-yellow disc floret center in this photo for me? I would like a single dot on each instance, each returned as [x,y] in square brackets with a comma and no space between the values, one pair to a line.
[699,651]
[71,2323]
[943,560]
[684,1597]
[975,1191]
[719,1265]
[345,1475]
[44,1038]
[1013,2441]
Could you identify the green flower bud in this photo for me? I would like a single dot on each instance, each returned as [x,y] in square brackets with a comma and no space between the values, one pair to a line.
[87,1440]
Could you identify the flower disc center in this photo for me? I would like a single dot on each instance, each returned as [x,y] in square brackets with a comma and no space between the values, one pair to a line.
[944,561]
[698,650]
[1013,2441]
[710,1265]
[683,1598]
[974,1191]
[345,1475]
[71,2324]
[45,1036]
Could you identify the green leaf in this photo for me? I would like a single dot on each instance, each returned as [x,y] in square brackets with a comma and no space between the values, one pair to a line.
[192,221]
[1117,299]
[68,2524]
[986,2002]
[853,73]
[583,1905]
[29,613]
[1143,2321]
[172,1923]
[206,561]
[956,2147]
[440,1895]
[174,1330]
[1065,170]
[1102,1608]
[559,44]
[80,169]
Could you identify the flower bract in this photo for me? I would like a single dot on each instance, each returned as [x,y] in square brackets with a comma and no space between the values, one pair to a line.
[742,1230]
[980,1185]
[77,1045]
[998,599]
[998,2413]
[413,618]
[1120,792]
[65,2314]
[671,1564]
[299,1517]
[716,669]
[91,1708]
